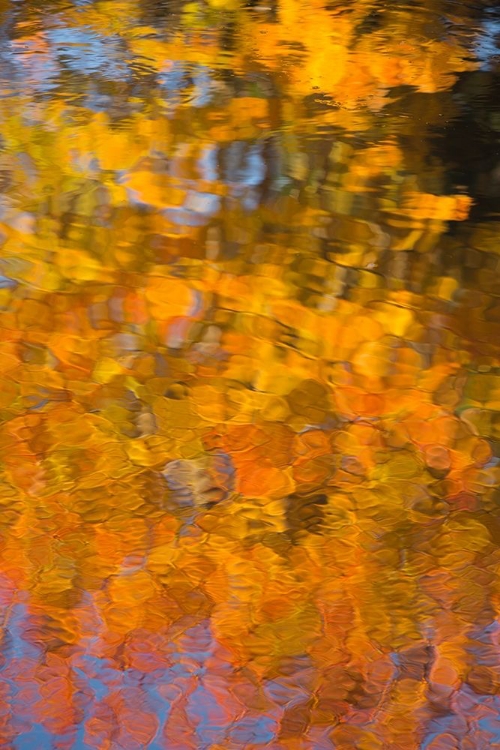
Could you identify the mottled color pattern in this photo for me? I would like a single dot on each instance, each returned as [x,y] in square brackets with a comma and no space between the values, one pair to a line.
[249,375]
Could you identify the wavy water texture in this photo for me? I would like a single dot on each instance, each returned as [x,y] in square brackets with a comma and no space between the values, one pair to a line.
[249,375]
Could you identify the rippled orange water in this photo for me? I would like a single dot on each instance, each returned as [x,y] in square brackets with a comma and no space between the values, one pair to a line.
[249,375]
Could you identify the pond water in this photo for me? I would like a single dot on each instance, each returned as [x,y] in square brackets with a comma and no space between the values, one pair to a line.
[249,374]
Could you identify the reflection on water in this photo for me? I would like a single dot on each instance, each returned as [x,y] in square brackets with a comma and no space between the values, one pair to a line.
[250,374]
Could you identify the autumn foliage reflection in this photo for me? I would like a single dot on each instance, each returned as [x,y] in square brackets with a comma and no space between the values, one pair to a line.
[249,380]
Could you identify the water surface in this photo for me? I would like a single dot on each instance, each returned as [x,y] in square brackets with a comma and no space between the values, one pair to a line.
[249,375]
